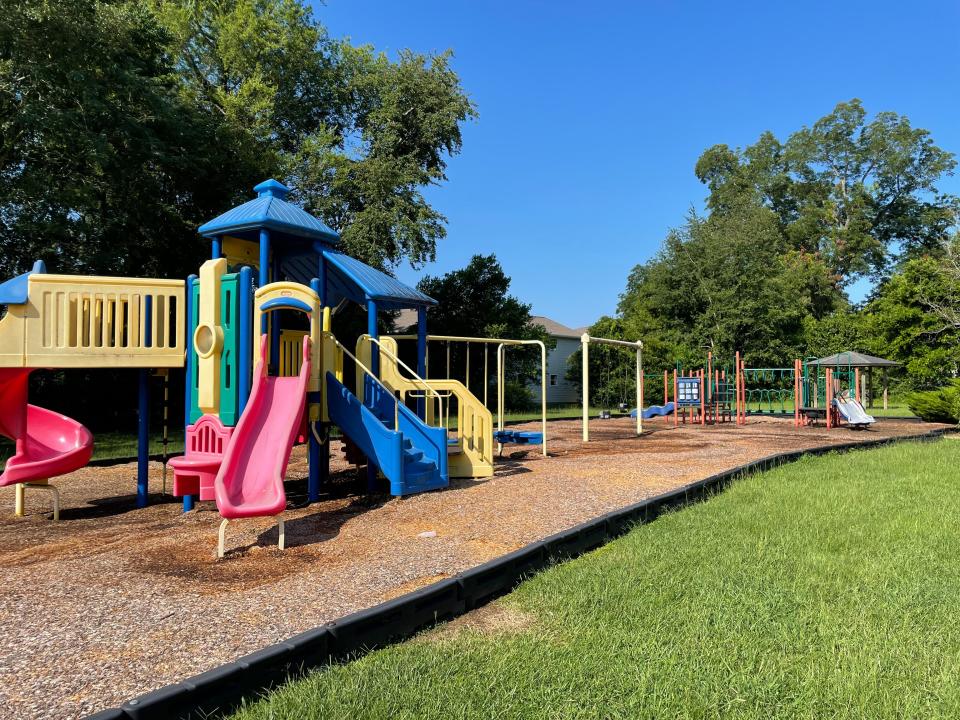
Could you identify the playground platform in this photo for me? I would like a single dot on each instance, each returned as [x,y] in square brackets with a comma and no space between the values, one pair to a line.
[113,601]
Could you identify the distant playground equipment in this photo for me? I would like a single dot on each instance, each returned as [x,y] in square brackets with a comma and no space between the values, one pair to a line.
[501,436]
[830,391]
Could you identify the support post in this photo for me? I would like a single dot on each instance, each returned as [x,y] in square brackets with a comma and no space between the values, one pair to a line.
[543,395]
[828,398]
[676,401]
[215,252]
[884,388]
[375,369]
[143,436]
[245,338]
[585,377]
[639,388]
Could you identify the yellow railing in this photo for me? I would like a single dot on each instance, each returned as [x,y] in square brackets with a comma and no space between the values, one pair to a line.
[86,321]
[473,453]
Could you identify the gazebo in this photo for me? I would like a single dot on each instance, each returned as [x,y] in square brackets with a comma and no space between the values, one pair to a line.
[862,361]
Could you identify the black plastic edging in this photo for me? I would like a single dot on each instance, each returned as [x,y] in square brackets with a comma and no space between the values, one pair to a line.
[222,689]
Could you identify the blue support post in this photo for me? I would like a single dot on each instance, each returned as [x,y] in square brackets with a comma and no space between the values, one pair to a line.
[315,464]
[264,271]
[375,369]
[190,370]
[215,251]
[422,357]
[245,319]
[143,411]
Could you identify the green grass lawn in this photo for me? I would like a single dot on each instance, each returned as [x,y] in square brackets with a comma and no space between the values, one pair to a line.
[826,588]
[114,445]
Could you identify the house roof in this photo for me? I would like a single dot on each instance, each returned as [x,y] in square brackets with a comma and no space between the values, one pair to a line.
[405,321]
[853,359]
[351,279]
[269,210]
[556,329]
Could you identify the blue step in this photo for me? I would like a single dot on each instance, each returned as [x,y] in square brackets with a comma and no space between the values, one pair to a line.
[413,456]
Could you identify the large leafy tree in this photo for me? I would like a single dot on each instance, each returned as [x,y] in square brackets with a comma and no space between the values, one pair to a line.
[724,283]
[126,123]
[854,193]
[360,136]
[100,162]
[475,301]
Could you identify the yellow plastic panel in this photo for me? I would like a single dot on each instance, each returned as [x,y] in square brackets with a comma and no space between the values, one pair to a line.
[241,252]
[208,336]
[89,321]
[294,291]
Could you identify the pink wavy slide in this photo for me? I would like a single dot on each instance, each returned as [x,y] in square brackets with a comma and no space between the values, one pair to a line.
[48,443]
[250,480]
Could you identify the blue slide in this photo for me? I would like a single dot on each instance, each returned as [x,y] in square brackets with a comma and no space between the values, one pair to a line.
[654,411]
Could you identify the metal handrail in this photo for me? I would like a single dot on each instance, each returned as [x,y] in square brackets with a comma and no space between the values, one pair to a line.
[416,378]
[396,405]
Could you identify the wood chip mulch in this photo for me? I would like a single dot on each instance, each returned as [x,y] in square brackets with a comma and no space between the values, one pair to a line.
[112,601]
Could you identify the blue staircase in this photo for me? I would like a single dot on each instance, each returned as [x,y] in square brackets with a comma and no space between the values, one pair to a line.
[413,456]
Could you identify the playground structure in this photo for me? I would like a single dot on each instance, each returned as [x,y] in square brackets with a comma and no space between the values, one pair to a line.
[264,370]
[637,346]
[65,321]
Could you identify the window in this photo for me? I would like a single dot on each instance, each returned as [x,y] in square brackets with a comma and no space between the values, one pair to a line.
[553,381]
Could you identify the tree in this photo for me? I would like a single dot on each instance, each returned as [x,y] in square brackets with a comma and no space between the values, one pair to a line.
[124,124]
[100,161]
[358,135]
[475,301]
[902,321]
[854,194]
[721,284]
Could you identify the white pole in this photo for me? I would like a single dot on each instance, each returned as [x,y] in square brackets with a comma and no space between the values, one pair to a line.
[585,346]
[639,388]
[543,395]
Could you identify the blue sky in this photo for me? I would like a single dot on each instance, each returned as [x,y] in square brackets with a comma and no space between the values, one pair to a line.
[592,115]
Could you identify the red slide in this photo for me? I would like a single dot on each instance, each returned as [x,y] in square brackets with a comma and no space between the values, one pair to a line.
[250,480]
[48,443]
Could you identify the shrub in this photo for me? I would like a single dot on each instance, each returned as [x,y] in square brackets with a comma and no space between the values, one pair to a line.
[517,396]
[940,405]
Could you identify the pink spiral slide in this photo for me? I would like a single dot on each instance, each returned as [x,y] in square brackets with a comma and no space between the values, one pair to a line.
[250,480]
[48,443]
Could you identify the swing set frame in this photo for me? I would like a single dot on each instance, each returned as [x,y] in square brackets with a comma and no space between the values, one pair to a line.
[637,345]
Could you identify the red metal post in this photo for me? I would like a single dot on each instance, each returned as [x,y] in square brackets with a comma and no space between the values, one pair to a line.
[676,401]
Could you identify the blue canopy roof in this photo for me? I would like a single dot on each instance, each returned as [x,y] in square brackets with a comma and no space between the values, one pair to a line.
[351,279]
[269,210]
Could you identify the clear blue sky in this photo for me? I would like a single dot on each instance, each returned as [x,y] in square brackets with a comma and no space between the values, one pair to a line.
[592,114]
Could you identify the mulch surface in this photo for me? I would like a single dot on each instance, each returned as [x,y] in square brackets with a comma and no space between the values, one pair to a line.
[112,601]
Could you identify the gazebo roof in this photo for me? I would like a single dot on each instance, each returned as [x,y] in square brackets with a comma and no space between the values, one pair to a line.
[853,359]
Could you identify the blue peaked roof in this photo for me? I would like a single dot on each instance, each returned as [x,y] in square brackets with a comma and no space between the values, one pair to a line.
[269,210]
[351,279]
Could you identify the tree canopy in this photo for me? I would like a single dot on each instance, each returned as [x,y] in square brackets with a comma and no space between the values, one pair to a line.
[789,226]
[124,124]
[855,194]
